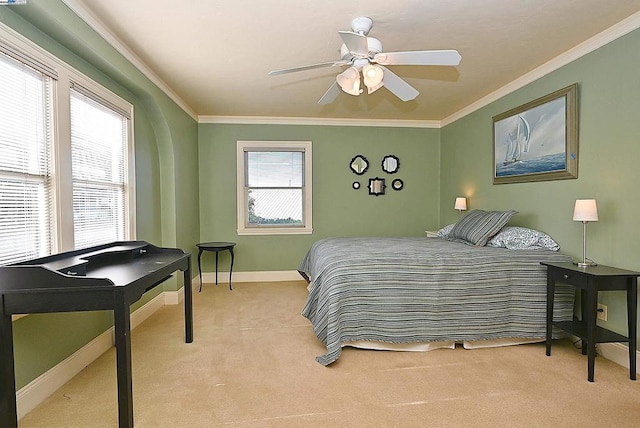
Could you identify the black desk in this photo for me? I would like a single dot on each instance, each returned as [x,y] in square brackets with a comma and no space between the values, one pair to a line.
[591,280]
[216,247]
[105,277]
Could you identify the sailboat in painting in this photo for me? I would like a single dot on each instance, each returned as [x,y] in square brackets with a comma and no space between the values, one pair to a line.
[518,141]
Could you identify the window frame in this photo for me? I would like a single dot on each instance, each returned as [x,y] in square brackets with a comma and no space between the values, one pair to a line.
[67,76]
[307,188]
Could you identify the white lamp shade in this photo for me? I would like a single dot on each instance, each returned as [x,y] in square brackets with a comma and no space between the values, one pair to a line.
[349,81]
[461,204]
[372,76]
[585,210]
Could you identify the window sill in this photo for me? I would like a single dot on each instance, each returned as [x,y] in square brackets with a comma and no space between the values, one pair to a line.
[275,231]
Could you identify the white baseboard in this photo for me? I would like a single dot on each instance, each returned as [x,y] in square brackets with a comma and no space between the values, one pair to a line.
[618,353]
[38,390]
[262,276]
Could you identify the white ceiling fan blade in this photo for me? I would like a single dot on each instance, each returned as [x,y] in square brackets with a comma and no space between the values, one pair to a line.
[438,57]
[330,95]
[309,67]
[356,43]
[397,86]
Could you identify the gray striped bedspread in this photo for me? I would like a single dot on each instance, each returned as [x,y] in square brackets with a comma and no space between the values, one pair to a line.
[403,290]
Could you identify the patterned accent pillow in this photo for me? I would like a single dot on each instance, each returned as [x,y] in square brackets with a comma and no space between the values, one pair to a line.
[442,233]
[522,238]
[477,227]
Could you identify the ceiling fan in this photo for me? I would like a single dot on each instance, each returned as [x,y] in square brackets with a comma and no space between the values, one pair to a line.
[365,55]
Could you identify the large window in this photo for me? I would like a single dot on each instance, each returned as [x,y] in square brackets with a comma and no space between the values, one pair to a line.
[66,156]
[98,156]
[25,162]
[274,188]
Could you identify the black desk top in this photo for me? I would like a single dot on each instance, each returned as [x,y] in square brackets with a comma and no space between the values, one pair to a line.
[123,273]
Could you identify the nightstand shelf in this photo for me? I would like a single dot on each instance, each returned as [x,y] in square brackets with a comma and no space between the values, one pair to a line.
[579,329]
[591,280]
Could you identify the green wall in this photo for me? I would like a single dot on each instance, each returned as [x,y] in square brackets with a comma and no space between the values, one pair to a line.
[338,210]
[166,179]
[609,103]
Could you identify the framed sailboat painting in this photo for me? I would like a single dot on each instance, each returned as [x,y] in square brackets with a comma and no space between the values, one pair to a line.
[537,141]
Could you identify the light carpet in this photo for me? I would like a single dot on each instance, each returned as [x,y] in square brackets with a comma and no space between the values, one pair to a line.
[252,364]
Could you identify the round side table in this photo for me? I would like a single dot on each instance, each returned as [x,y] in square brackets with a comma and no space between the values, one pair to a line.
[215,247]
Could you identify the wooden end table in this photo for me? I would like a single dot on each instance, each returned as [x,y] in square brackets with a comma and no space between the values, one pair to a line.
[590,280]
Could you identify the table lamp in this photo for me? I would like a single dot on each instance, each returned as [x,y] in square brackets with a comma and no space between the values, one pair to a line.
[460,205]
[585,210]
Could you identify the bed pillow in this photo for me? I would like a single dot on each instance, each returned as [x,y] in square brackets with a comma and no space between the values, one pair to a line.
[477,227]
[522,238]
[445,231]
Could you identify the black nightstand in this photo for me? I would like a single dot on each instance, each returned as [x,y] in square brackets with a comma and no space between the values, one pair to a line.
[590,280]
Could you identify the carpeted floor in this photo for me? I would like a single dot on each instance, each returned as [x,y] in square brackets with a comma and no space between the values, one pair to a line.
[252,364]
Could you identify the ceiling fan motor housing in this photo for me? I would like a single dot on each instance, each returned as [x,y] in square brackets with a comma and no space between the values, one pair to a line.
[374,46]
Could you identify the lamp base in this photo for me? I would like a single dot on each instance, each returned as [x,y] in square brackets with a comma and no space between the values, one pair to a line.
[585,264]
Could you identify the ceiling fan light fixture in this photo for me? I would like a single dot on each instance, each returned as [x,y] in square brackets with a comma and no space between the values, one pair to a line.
[349,81]
[372,75]
[372,89]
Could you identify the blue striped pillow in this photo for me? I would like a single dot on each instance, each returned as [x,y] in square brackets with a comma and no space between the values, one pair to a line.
[477,227]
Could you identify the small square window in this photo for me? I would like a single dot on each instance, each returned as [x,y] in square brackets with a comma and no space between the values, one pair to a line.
[274,188]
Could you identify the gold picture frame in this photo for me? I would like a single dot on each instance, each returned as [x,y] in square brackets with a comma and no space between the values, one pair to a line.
[537,141]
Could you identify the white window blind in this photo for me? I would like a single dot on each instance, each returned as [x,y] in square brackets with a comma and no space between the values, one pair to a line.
[274,181]
[99,162]
[26,212]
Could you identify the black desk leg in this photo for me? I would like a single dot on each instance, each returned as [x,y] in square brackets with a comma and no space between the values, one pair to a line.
[8,410]
[592,311]
[200,267]
[632,320]
[231,269]
[551,289]
[188,304]
[122,323]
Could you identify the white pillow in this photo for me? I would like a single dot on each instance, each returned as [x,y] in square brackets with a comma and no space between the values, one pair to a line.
[522,238]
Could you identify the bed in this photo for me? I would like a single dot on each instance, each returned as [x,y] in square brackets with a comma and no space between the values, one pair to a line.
[394,292]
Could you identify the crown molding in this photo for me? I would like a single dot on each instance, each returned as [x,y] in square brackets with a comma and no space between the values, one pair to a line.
[98,26]
[607,36]
[267,120]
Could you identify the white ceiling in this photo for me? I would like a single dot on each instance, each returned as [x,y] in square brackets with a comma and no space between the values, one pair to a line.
[213,56]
